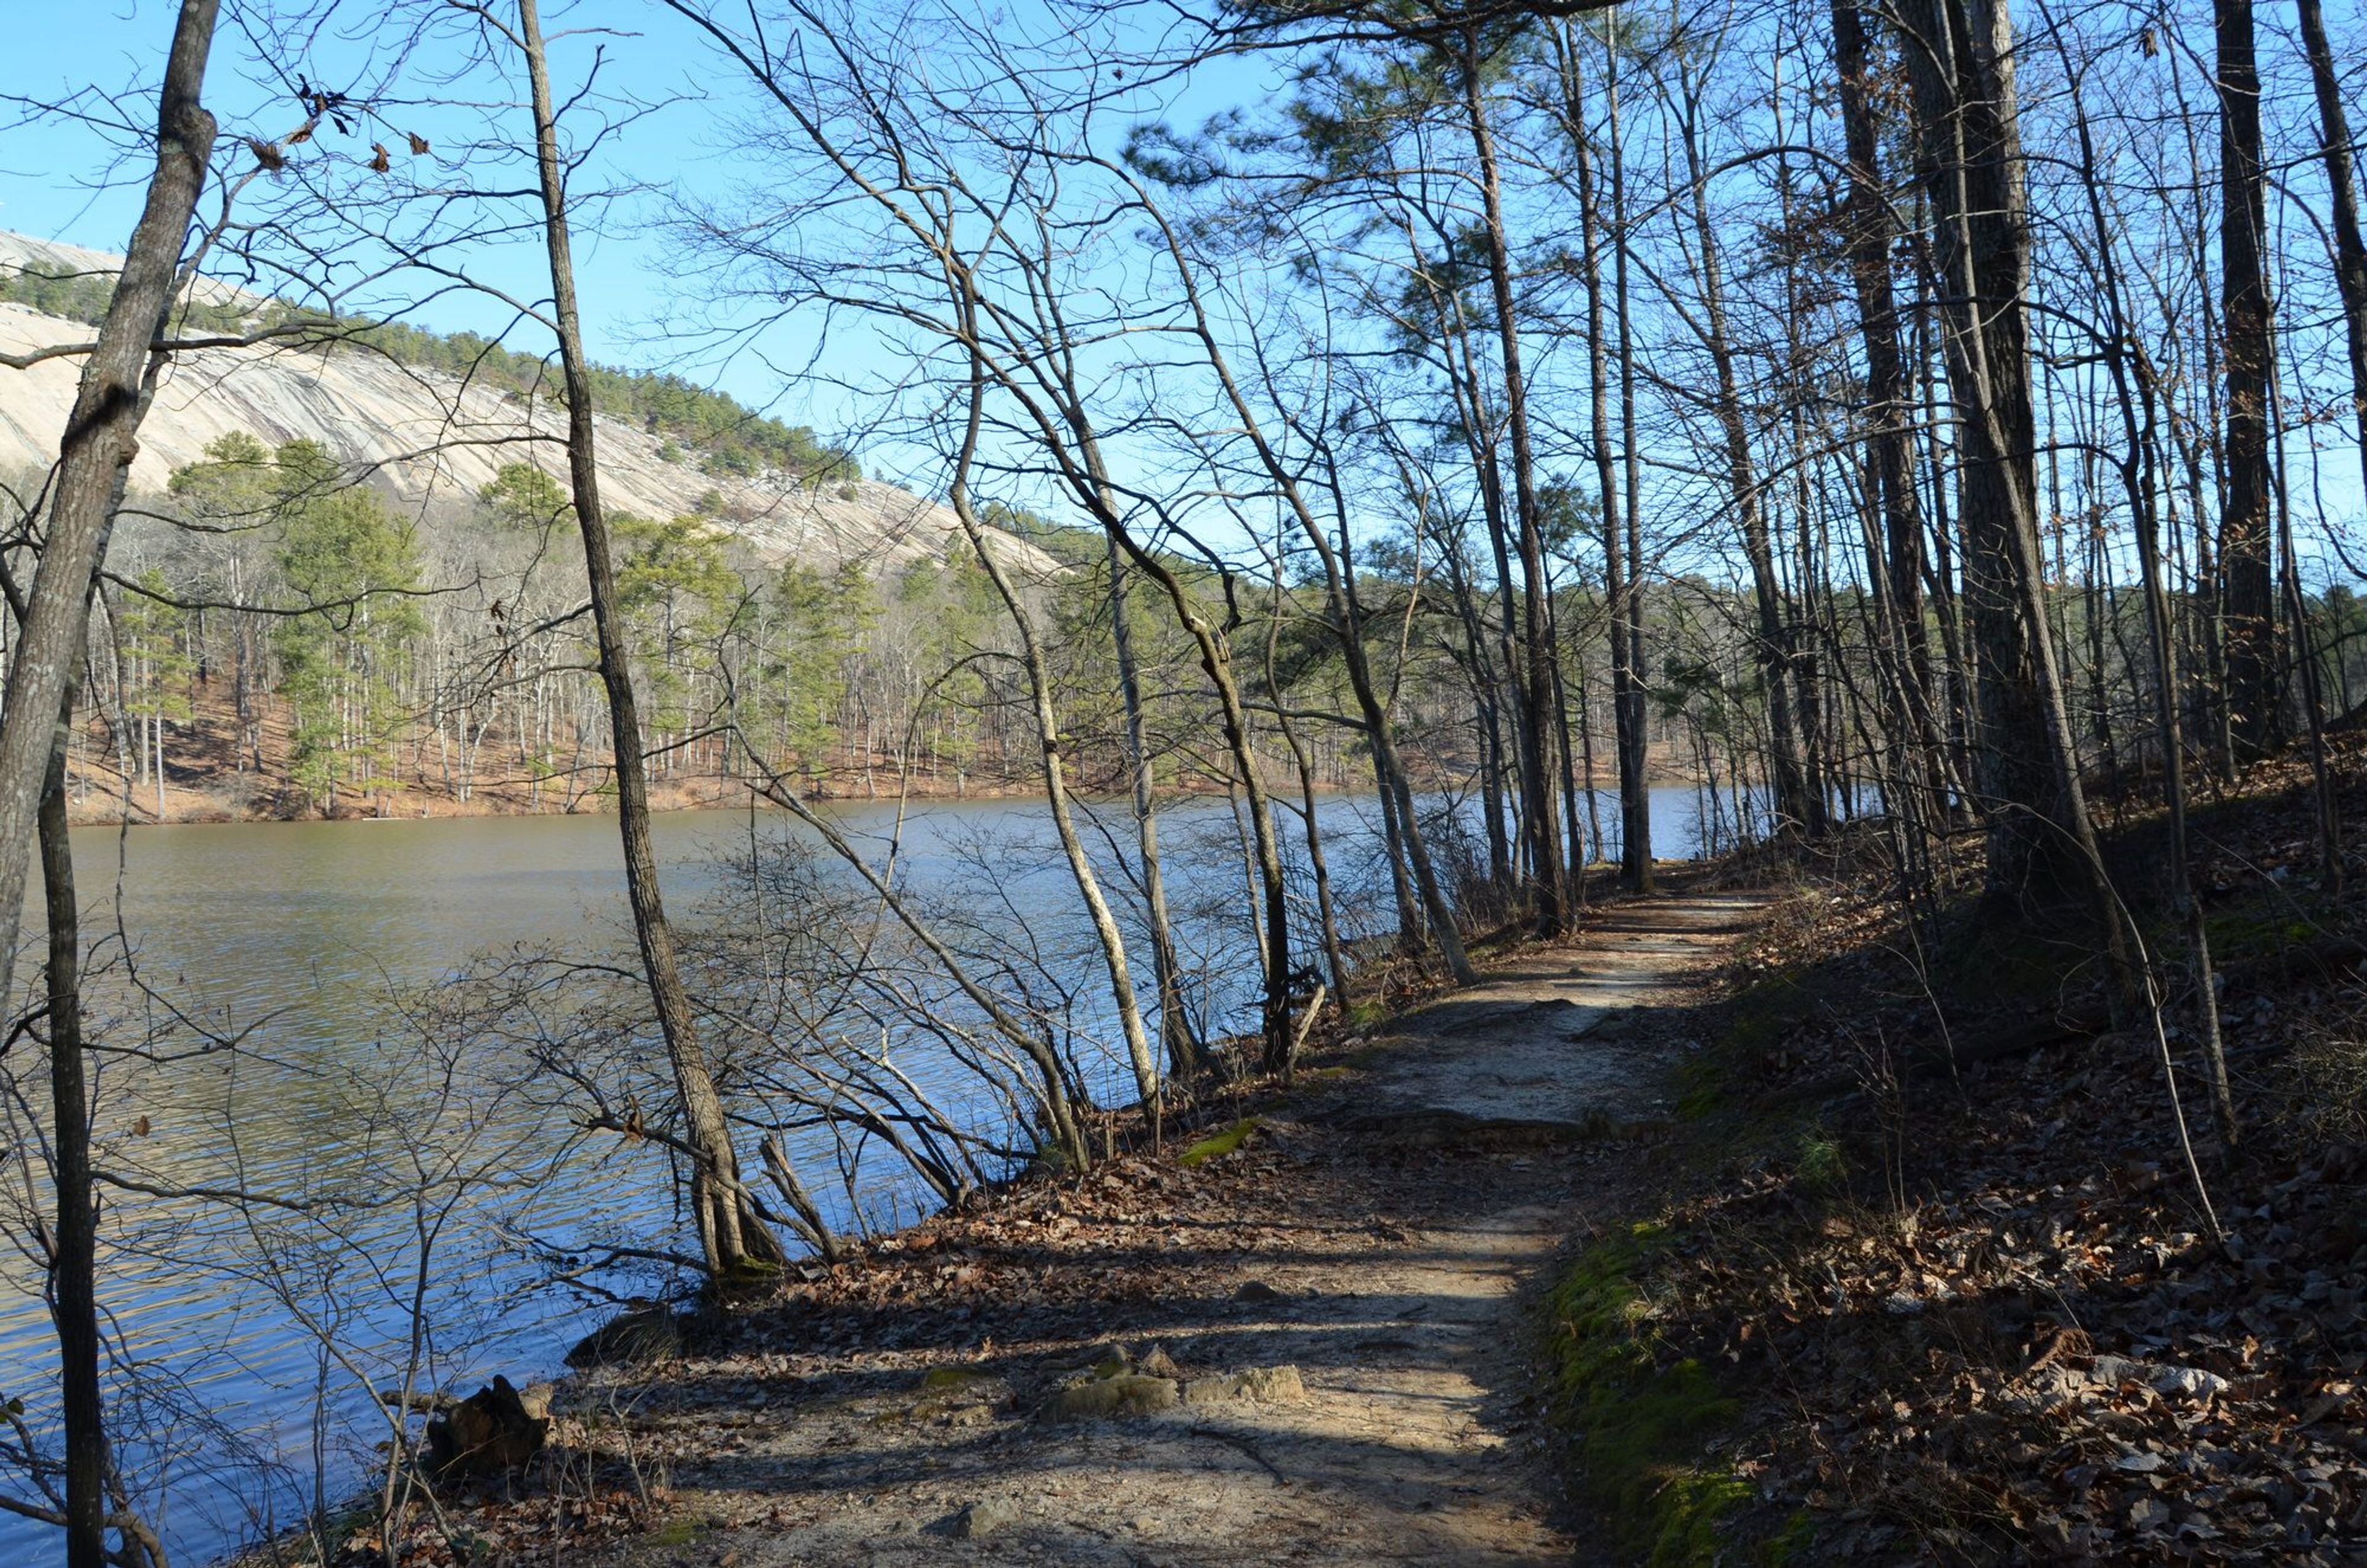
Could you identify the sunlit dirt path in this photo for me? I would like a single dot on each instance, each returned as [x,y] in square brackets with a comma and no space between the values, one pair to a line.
[1377,1237]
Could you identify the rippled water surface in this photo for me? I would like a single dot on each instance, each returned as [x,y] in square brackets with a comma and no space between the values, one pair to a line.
[251,1337]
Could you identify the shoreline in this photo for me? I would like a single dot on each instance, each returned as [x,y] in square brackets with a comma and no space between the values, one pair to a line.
[1225,1140]
[195,805]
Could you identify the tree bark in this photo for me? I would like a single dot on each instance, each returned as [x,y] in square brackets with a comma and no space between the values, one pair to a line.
[1348,626]
[1540,822]
[101,438]
[730,1233]
[1185,1053]
[1799,808]
[2342,181]
[1334,959]
[1891,439]
[2246,578]
[1626,710]
[1055,769]
[1635,761]
[73,1269]
[1960,56]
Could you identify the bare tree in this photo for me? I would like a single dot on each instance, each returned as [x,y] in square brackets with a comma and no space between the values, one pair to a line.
[730,1233]
[118,384]
[2246,528]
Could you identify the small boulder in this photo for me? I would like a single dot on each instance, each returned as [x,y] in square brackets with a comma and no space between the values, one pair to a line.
[1104,1399]
[1272,1385]
[1257,1293]
[2193,1383]
[1109,1360]
[492,1430]
[1158,1364]
[984,1517]
[1253,1386]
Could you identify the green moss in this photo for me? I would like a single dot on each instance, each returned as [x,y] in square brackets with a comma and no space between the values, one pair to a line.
[1640,1424]
[2255,930]
[1822,1167]
[1364,1012]
[1690,1509]
[1701,1085]
[1992,963]
[678,1532]
[1219,1144]
[750,1275]
[952,1380]
[1792,1543]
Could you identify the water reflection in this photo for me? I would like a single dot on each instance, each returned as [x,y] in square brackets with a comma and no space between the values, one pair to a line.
[301,939]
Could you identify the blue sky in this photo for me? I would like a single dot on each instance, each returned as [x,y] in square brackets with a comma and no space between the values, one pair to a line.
[63,178]
[51,170]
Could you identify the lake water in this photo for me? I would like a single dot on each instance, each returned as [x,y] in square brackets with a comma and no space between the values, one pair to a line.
[249,1338]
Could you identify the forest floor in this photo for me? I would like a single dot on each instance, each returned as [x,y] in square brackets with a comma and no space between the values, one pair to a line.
[1307,1338]
[1951,1266]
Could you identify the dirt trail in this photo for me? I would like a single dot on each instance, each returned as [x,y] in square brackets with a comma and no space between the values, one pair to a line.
[1373,1236]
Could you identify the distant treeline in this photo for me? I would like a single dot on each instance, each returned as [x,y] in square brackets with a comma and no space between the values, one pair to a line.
[277,638]
[722,434]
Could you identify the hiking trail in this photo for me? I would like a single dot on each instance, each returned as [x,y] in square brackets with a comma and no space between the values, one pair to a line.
[1319,1353]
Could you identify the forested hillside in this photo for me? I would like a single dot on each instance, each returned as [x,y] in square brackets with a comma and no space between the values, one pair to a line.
[431,419]
[320,650]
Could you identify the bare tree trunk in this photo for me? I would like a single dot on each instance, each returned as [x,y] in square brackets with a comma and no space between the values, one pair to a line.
[1573,827]
[2132,385]
[73,1269]
[1888,409]
[1410,924]
[1586,752]
[1634,784]
[1216,662]
[1185,1053]
[1960,65]
[2245,528]
[101,438]
[2312,703]
[1540,818]
[730,1232]
[1347,615]
[1799,808]
[1626,745]
[1332,957]
[2342,180]
[1056,779]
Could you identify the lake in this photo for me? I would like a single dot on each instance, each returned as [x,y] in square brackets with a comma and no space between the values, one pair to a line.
[325,950]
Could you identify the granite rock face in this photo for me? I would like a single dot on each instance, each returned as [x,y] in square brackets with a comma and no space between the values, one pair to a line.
[424,438]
